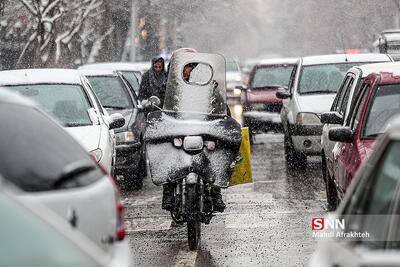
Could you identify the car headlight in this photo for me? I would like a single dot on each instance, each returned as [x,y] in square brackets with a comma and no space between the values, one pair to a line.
[307,118]
[97,154]
[238,78]
[237,91]
[124,137]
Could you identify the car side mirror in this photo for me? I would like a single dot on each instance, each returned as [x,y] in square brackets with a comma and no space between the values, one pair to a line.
[332,117]
[283,93]
[341,134]
[116,121]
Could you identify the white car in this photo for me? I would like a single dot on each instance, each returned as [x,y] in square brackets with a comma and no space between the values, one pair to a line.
[65,95]
[342,106]
[233,79]
[51,168]
[312,88]
[369,211]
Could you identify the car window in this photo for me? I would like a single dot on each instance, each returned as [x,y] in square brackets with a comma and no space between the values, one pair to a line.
[339,96]
[324,78]
[232,66]
[132,79]
[375,196]
[384,105]
[111,92]
[66,102]
[272,76]
[345,99]
[356,115]
[46,150]
[26,240]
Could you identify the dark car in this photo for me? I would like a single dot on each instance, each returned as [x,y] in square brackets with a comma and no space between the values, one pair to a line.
[116,96]
[260,103]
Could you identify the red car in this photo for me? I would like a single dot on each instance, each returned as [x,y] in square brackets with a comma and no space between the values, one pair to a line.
[261,106]
[377,102]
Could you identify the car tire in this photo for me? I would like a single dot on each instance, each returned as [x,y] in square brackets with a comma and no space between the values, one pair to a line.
[294,160]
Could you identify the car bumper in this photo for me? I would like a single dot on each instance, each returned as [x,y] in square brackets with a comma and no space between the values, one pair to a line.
[260,120]
[128,157]
[306,138]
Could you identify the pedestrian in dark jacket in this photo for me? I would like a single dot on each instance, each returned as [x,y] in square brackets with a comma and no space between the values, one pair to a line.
[154,81]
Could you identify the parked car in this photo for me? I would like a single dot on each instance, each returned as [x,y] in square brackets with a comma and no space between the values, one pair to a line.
[34,236]
[114,95]
[233,79]
[377,101]
[388,42]
[370,205]
[52,168]
[65,95]
[312,88]
[131,71]
[341,109]
[260,103]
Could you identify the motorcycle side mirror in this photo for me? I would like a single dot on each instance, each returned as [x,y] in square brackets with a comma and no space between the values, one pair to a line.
[154,101]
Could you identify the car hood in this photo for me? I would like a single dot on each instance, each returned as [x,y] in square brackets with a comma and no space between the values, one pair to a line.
[127,114]
[231,76]
[317,103]
[87,136]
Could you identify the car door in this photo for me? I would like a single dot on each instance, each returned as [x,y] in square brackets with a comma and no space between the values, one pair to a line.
[346,158]
[372,203]
[339,106]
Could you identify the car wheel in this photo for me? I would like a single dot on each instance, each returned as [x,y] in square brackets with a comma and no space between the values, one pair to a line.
[294,160]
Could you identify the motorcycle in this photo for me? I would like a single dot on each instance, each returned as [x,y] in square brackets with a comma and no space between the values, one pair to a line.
[191,142]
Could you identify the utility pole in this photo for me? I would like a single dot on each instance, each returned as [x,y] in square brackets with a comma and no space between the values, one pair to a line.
[397,15]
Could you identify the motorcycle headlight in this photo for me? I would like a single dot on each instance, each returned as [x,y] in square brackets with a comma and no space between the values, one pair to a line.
[124,137]
[307,118]
[96,154]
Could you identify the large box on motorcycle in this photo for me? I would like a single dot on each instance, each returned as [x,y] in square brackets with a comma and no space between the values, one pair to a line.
[243,173]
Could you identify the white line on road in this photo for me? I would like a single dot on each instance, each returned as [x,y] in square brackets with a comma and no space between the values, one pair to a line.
[186,258]
[148,224]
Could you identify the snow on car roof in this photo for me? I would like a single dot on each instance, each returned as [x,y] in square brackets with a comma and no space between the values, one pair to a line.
[344,58]
[275,61]
[37,76]
[367,69]
[122,66]
[97,72]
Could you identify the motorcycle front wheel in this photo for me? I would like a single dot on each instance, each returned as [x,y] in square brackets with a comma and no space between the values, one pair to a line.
[193,222]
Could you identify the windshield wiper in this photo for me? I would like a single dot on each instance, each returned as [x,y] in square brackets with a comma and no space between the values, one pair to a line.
[75,124]
[114,107]
[72,171]
[373,135]
[319,92]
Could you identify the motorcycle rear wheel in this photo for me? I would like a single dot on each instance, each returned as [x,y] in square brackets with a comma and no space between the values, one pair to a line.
[193,222]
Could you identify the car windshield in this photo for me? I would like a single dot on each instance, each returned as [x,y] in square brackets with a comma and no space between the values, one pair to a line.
[385,105]
[133,78]
[34,161]
[232,67]
[272,76]
[111,92]
[326,78]
[66,102]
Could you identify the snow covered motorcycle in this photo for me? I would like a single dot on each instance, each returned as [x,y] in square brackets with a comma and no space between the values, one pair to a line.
[191,142]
